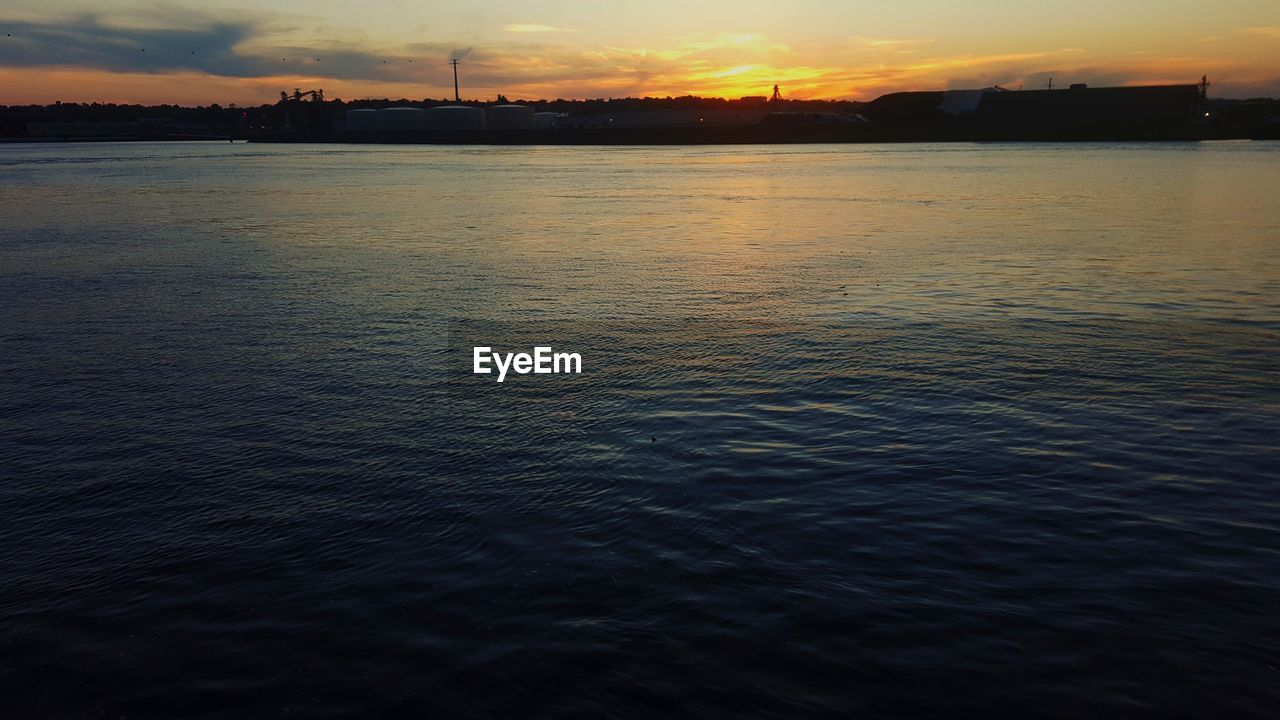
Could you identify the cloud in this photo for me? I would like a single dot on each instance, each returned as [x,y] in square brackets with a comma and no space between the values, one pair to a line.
[216,54]
[533,28]
[1266,31]
[86,41]
[193,42]
[866,44]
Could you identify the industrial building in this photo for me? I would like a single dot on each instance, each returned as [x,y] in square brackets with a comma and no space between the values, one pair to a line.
[1146,112]
[668,119]
[444,118]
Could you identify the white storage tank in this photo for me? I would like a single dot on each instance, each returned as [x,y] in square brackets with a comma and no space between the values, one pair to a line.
[362,119]
[402,118]
[510,117]
[455,118]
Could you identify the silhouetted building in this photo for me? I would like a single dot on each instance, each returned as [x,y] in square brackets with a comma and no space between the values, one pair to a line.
[905,108]
[962,103]
[1154,111]
[668,118]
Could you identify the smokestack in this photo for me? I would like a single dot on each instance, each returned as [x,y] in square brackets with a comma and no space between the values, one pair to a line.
[456,97]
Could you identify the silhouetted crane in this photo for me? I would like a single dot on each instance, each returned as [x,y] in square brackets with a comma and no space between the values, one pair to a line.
[298,94]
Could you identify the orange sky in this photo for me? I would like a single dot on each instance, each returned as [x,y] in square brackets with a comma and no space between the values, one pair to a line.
[229,52]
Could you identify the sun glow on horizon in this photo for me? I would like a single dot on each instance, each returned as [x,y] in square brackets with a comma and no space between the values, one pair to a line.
[219,52]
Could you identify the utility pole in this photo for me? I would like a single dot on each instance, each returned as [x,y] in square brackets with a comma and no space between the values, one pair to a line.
[1050,83]
[456,97]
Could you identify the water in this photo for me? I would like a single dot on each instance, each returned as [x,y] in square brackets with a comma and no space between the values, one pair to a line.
[936,430]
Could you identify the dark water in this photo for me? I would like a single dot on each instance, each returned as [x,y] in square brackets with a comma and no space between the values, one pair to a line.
[889,431]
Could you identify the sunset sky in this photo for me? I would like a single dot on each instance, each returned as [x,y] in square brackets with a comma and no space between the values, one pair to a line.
[247,52]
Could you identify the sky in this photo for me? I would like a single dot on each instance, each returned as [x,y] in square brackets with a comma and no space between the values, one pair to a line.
[236,51]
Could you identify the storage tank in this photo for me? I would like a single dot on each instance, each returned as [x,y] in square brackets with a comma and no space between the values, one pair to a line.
[547,120]
[455,118]
[402,118]
[362,119]
[510,117]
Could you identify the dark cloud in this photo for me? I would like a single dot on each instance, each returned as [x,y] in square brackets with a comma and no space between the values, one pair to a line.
[203,44]
[243,48]
[86,41]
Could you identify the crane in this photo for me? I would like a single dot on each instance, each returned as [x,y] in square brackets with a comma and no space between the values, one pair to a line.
[298,94]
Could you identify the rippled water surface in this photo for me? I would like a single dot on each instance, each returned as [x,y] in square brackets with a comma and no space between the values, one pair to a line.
[936,430]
